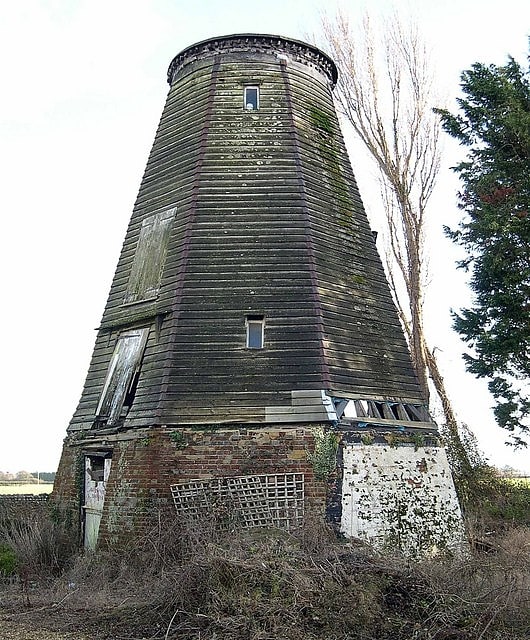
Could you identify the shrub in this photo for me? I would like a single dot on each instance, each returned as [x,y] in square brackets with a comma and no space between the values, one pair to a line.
[40,544]
[188,580]
[8,561]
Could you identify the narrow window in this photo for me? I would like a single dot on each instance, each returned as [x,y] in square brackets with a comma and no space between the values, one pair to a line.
[146,270]
[255,332]
[251,98]
[122,376]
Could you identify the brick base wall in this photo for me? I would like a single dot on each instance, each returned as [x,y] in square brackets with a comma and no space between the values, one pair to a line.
[146,462]
[21,507]
[399,494]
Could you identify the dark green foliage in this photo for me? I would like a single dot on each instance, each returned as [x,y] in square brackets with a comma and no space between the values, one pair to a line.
[8,561]
[494,124]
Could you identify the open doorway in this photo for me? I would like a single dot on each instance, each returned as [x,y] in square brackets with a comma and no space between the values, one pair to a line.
[97,471]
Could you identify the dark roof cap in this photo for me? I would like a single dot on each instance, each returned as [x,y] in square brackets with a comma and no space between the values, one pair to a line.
[308,53]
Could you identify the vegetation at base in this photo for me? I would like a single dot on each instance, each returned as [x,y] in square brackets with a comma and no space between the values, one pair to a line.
[40,540]
[493,504]
[189,580]
[8,560]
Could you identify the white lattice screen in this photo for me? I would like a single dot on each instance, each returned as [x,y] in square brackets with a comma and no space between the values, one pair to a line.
[273,500]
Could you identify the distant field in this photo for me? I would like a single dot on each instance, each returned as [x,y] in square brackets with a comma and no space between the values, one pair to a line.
[524,481]
[26,488]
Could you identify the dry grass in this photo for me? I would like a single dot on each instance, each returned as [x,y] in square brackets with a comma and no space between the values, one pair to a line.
[190,582]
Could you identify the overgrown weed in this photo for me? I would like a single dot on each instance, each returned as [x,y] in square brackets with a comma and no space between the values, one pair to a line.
[188,580]
[42,543]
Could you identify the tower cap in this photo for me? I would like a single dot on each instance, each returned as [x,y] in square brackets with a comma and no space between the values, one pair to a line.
[266,43]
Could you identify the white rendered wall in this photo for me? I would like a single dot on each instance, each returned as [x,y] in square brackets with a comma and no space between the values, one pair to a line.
[400,497]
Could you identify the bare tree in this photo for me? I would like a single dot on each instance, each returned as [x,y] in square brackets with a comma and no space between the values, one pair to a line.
[386,92]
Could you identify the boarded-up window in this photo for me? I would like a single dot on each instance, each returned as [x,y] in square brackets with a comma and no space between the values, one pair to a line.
[122,375]
[149,258]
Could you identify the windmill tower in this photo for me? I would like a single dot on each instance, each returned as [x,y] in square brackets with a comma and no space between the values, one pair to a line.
[249,307]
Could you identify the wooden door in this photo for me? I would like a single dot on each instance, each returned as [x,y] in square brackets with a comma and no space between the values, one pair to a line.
[97,470]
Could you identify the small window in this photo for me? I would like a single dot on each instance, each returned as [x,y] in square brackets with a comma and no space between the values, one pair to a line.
[255,332]
[251,98]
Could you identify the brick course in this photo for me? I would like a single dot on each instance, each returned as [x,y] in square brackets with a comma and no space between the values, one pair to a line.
[146,463]
[21,507]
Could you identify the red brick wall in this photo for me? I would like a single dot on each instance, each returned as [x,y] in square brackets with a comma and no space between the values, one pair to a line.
[68,487]
[146,463]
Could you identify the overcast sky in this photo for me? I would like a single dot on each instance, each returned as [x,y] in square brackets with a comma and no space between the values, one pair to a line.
[83,87]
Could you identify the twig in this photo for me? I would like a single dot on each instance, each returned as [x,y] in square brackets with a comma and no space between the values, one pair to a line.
[46,606]
[187,613]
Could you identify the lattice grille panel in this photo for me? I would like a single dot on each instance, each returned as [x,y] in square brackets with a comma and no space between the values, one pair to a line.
[272,500]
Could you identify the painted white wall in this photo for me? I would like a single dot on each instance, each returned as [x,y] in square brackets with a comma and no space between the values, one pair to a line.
[400,496]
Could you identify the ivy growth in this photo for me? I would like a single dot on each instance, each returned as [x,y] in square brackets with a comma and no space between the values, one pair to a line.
[178,439]
[324,456]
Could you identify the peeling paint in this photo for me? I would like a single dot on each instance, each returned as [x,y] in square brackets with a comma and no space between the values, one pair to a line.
[398,500]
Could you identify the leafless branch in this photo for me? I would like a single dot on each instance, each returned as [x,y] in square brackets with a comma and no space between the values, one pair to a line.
[386,93]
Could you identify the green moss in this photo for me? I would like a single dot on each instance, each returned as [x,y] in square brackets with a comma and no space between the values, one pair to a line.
[327,146]
[367,438]
[392,439]
[320,119]
[418,439]
[357,279]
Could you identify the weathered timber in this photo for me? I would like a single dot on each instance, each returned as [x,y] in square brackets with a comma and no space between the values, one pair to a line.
[266,221]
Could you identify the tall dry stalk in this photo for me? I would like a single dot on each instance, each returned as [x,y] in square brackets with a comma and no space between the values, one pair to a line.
[386,92]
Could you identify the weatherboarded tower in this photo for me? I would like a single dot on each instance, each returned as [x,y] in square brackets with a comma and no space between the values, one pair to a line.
[249,308]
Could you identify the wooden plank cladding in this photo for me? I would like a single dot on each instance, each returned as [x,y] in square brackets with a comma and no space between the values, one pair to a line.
[247,212]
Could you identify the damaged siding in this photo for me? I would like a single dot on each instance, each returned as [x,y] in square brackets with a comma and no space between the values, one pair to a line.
[250,213]
[149,257]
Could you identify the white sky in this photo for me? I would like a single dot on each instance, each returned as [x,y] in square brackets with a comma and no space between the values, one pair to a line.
[83,87]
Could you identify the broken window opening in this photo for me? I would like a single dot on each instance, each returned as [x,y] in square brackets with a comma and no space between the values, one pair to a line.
[255,332]
[395,411]
[251,98]
[149,257]
[131,391]
[122,376]
[96,468]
